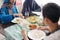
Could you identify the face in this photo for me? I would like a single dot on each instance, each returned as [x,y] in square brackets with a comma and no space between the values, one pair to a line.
[46,21]
[11,1]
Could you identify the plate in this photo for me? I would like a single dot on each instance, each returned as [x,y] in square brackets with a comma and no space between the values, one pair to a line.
[38,13]
[16,20]
[32,19]
[21,22]
[36,34]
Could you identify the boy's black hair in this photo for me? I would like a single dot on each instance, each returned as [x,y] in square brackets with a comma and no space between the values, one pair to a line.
[51,11]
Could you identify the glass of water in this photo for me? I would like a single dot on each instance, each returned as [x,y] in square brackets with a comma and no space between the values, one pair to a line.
[26,14]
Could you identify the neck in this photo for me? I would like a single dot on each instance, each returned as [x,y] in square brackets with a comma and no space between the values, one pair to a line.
[53,26]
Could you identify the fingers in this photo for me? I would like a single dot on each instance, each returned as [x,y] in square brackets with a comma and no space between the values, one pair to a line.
[19,15]
[41,28]
[23,33]
[15,15]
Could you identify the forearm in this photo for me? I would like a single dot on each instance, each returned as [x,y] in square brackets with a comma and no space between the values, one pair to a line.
[51,29]
[6,18]
[25,37]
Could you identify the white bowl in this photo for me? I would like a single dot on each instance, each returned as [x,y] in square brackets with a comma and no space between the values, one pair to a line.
[36,34]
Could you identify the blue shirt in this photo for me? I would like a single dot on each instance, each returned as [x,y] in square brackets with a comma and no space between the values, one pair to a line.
[5,17]
[6,1]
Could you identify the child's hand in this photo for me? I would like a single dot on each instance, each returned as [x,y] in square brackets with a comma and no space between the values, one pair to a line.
[23,33]
[42,28]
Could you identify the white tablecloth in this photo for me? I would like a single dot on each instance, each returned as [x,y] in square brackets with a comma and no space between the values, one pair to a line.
[14,32]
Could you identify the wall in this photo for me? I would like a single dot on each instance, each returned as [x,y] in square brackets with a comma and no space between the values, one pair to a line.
[43,2]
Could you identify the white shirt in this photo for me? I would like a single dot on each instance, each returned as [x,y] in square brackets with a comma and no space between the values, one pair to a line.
[19,5]
[53,36]
[1,3]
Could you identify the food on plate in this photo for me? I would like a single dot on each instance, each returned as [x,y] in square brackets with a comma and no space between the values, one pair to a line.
[32,26]
[16,20]
[32,19]
[41,23]
[36,34]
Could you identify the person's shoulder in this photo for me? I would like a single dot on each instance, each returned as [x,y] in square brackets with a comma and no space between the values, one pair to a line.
[3,8]
[53,36]
[58,26]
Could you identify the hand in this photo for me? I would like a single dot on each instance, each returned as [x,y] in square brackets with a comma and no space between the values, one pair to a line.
[42,28]
[19,15]
[24,35]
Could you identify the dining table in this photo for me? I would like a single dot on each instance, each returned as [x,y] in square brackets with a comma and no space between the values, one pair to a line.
[13,32]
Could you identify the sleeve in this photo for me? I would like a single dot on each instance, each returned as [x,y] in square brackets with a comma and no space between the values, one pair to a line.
[29,6]
[26,7]
[53,36]
[5,1]
[6,19]
[35,6]
[14,9]
[4,16]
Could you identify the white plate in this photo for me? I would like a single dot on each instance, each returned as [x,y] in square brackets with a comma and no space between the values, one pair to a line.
[38,13]
[21,22]
[36,34]
[15,20]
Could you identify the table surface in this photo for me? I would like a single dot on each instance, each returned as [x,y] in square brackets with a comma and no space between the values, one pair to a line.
[14,32]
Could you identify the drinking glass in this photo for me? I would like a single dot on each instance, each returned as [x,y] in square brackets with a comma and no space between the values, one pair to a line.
[26,14]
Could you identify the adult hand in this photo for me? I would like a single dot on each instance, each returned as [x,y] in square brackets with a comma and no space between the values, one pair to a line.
[19,15]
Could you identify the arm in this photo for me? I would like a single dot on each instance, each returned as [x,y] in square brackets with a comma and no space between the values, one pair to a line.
[24,35]
[15,12]
[4,16]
